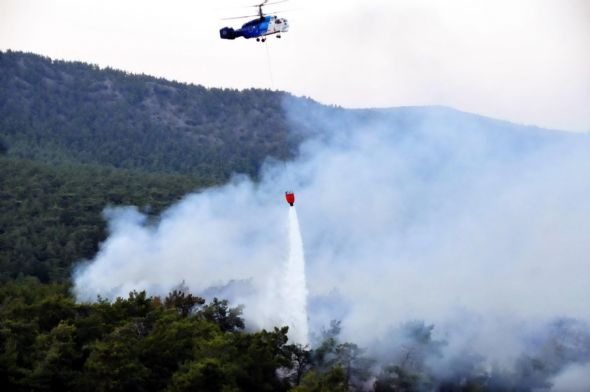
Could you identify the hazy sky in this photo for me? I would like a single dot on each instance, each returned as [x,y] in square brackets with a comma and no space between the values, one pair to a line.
[527,61]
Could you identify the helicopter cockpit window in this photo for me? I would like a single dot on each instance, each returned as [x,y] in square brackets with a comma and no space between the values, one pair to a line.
[279,21]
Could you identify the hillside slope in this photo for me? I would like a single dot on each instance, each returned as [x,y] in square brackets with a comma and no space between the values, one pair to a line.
[64,112]
[70,112]
[50,215]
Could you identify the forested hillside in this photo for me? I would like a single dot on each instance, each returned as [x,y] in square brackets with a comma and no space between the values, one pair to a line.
[66,112]
[75,139]
[69,112]
[50,215]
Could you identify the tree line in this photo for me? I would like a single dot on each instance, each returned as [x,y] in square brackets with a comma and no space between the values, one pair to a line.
[148,343]
[180,342]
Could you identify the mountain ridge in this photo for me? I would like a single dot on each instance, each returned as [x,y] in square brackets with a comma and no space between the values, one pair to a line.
[56,111]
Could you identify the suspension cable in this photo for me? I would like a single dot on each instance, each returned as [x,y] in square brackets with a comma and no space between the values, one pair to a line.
[272,84]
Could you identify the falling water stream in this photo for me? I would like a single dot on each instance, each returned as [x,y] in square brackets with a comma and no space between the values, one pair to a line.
[294,287]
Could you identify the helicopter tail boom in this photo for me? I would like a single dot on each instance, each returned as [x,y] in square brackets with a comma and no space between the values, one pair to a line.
[229,33]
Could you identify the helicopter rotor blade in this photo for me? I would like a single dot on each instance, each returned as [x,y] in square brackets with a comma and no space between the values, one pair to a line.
[267,3]
[254,16]
[260,13]
[252,5]
[240,17]
[275,2]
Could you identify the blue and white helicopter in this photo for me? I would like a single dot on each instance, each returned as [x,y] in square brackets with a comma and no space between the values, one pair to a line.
[258,28]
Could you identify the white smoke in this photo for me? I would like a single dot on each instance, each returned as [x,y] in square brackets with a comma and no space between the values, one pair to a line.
[476,226]
[575,378]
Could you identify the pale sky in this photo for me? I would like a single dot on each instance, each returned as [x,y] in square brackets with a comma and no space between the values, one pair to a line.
[527,61]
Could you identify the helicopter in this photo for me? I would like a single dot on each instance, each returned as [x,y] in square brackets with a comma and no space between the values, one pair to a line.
[258,28]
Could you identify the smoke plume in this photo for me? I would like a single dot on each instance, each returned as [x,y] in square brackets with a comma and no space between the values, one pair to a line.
[476,226]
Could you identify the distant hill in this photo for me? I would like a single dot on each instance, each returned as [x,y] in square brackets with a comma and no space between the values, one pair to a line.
[70,112]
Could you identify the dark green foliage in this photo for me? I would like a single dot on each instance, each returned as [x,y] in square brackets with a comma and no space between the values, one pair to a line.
[332,381]
[184,303]
[220,313]
[207,375]
[65,112]
[113,362]
[48,342]
[50,216]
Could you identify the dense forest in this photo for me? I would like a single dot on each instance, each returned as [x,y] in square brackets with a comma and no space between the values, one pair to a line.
[49,342]
[177,343]
[50,215]
[63,112]
[74,139]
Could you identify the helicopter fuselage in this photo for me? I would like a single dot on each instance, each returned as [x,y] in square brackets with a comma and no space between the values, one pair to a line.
[256,28]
